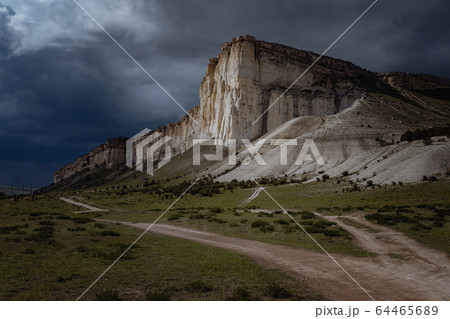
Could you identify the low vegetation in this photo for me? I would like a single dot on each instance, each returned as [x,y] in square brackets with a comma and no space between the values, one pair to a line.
[47,254]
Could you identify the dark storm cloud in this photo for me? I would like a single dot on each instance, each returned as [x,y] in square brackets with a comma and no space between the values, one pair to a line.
[65,87]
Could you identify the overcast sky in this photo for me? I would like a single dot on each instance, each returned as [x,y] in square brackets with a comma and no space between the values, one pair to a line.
[65,87]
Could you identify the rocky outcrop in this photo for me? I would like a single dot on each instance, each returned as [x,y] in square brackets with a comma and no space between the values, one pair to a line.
[254,87]
[249,76]
[110,154]
[416,82]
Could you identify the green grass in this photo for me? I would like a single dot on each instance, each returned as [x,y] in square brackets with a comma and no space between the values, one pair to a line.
[428,224]
[47,252]
[326,197]
[358,225]
[41,259]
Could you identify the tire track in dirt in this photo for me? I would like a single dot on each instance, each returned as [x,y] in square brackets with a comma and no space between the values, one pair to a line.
[385,278]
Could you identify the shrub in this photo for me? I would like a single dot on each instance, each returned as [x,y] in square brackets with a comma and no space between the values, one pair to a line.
[437,224]
[420,227]
[307,215]
[37,214]
[424,134]
[241,294]
[82,220]
[74,229]
[244,221]
[81,249]
[216,210]
[266,229]
[108,295]
[216,220]
[198,286]
[281,222]
[331,233]
[174,216]
[29,251]
[8,229]
[44,235]
[60,279]
[47,223]
[390,219]
[427,141]
[109,233]
[99,225]
[259,223]
[277,292]
[197,216]
[62,217]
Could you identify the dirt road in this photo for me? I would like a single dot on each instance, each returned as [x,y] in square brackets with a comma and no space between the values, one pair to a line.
[421,275]
[252,197]
[89,207]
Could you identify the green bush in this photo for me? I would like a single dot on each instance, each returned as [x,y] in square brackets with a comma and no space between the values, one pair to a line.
[74,229]
[216,210]
[259,223]
[267,229]
[99,225]
[47,223]
[174,216]
[61,279]
[307,215]
[281,222]
[63,217]
[9,229]
[437,224]
[390,219]
[216,220]
[82,220]
[420,227]
[198,286]
[241,294]
[197,216]
[109,233]
[44,235]
[29,251]
[278,292]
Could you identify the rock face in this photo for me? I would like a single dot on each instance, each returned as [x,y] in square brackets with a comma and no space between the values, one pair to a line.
[254,87]
[248,76]
[416,82]
[112,154]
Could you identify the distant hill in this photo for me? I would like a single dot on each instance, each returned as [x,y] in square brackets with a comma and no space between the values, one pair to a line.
[11,190]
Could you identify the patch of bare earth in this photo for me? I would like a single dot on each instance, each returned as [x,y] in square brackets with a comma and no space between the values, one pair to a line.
[418,274]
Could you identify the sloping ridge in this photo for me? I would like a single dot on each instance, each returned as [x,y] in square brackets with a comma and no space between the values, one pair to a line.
[346,110]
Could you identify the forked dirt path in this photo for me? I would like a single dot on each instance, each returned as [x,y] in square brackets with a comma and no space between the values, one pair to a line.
[421,275]
[89,207]
[385,241]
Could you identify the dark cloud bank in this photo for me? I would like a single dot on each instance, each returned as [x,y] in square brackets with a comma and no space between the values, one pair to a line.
[65,87]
